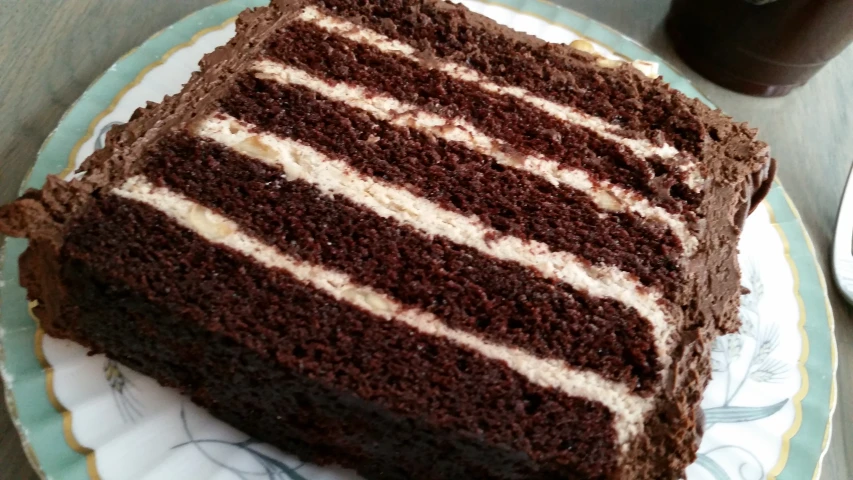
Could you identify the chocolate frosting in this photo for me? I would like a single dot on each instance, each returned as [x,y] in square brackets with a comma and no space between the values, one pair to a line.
[755,190]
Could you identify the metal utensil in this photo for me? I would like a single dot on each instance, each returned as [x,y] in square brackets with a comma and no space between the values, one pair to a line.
[842,249]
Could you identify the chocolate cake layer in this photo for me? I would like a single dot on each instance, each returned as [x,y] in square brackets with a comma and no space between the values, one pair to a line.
[511,201]
[525,128]
[468,290]
[178,294]
[555,72]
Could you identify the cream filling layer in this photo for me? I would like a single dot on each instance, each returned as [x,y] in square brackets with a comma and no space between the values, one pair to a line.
[334,177]
[628,409]
[606,196]
[639,147]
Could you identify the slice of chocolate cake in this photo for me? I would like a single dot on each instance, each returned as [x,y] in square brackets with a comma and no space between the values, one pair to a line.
[396,236]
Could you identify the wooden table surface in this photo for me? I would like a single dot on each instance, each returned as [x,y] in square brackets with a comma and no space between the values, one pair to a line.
[50,51]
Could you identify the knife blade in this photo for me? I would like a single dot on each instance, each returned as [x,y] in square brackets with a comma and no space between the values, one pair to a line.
[842,248]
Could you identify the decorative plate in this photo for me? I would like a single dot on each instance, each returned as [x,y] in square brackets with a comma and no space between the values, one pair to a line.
[767,408]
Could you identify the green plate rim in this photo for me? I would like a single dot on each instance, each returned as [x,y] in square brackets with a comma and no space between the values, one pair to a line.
[45,426]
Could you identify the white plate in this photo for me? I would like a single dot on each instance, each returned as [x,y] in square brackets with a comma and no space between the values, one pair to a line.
[122,425]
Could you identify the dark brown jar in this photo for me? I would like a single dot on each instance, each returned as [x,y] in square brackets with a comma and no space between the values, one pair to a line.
[760,47]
